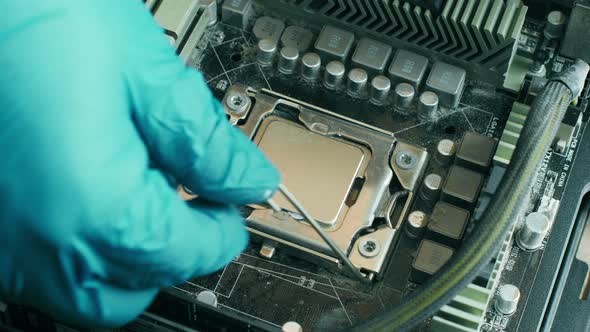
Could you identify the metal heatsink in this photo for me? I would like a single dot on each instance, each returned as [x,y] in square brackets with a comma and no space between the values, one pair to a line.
[474,33]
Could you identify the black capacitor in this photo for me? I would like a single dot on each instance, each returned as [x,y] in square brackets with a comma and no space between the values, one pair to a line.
[462,187]
[430,258]
[447,224]
[476,152]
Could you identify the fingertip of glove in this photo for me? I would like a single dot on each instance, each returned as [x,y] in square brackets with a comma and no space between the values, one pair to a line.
[249,178]
[265,183]
[232,239]
[242,240]
[263,178]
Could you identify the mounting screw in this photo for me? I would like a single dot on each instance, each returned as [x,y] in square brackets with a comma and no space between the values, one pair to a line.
[405,159]
[369,247]
[237,102]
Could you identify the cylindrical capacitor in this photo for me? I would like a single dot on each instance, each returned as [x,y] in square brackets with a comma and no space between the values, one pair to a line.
[266,52]
[207,297]
[310,66]
[291,327]
[334,74]
[357,82]
[288,59]
[428,105]
[431,187]
[532,233]
[403,96]
[416,225]
[445,151]
[555,25]
[507,299]
[380,87]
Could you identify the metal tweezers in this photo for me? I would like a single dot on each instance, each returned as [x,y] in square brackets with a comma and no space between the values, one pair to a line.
[341,255]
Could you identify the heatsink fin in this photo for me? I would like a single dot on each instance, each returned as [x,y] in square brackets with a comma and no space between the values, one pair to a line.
[479,32]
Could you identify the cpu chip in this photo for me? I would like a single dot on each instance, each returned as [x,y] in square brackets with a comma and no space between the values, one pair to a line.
[318,170]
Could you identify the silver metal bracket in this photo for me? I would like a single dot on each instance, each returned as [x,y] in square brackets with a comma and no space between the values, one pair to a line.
[346,231]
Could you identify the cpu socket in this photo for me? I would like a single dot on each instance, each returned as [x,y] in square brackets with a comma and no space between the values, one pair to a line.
[357,181]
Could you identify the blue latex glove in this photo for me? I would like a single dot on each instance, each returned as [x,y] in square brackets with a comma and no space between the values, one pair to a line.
[90,92]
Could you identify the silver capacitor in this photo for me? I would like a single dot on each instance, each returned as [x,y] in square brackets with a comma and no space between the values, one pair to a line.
[555,24]
[507,299]
[416,225]
[334,74]
[207,297]
[379,89]
[357,82]
[427,105]
[291,327]
[431,187]
[311,64]
[534,230]
[265,54]
[288,59]
[445,151]
[268,27]
[403,96]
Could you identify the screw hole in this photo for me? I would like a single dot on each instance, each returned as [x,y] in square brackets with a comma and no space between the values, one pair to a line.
[370,246]
[236,57]
[237,101]
[451,130]
[406,159]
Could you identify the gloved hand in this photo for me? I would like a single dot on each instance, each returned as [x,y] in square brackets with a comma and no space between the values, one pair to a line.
[90,92]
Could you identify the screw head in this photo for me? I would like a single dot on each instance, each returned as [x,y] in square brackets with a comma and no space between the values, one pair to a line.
[369,247]
[237,103]
[405,159]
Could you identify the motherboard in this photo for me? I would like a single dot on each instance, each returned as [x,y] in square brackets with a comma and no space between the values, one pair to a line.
[393,123]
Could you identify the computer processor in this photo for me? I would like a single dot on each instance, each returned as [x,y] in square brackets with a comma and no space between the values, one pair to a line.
[320,171]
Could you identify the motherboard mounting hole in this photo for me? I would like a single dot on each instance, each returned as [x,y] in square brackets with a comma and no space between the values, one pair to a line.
[451,130]
[236,57]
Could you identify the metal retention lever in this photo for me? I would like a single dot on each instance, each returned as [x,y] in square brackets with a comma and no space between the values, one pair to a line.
[339,253]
